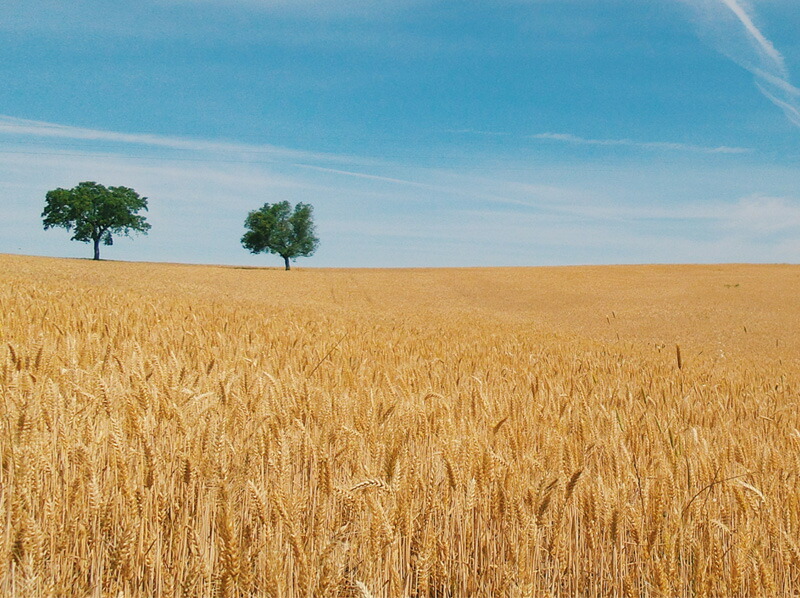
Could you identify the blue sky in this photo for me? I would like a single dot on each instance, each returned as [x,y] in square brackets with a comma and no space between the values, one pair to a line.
[424,132]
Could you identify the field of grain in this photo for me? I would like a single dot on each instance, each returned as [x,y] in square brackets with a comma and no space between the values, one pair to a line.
[173,430]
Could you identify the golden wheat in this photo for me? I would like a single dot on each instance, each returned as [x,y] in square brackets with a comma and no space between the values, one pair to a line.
[203,431]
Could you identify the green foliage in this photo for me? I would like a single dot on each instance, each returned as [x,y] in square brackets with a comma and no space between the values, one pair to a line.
[276,228]
[93,213]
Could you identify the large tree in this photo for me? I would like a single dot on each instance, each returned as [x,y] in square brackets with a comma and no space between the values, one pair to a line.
[277,228]
[93,213]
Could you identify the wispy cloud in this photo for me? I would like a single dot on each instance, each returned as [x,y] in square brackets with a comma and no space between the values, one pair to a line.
[477,132]
[219,154]
[649,145]
[577,140]
[763,215]
[730,26]
[310,8]
[17,127]
[790,109]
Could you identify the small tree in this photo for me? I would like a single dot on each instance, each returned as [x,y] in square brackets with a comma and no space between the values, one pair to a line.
[276,228]
[93,213]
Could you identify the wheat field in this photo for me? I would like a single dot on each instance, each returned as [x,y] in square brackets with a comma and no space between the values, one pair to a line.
[175,430]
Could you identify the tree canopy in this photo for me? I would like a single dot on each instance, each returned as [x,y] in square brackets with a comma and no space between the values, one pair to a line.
[277,228]
[93,213]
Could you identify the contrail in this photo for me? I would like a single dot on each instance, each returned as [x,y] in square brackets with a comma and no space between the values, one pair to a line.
[756,34]
[792,112]
[730,25]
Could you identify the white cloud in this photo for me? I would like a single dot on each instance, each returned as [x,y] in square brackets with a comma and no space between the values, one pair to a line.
[763,215]
[311,8]
[219,153]
[577,140]
[18,127]
[650,145]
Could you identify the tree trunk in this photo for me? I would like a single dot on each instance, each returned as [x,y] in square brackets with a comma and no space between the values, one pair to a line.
[286,261]
[97,248]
